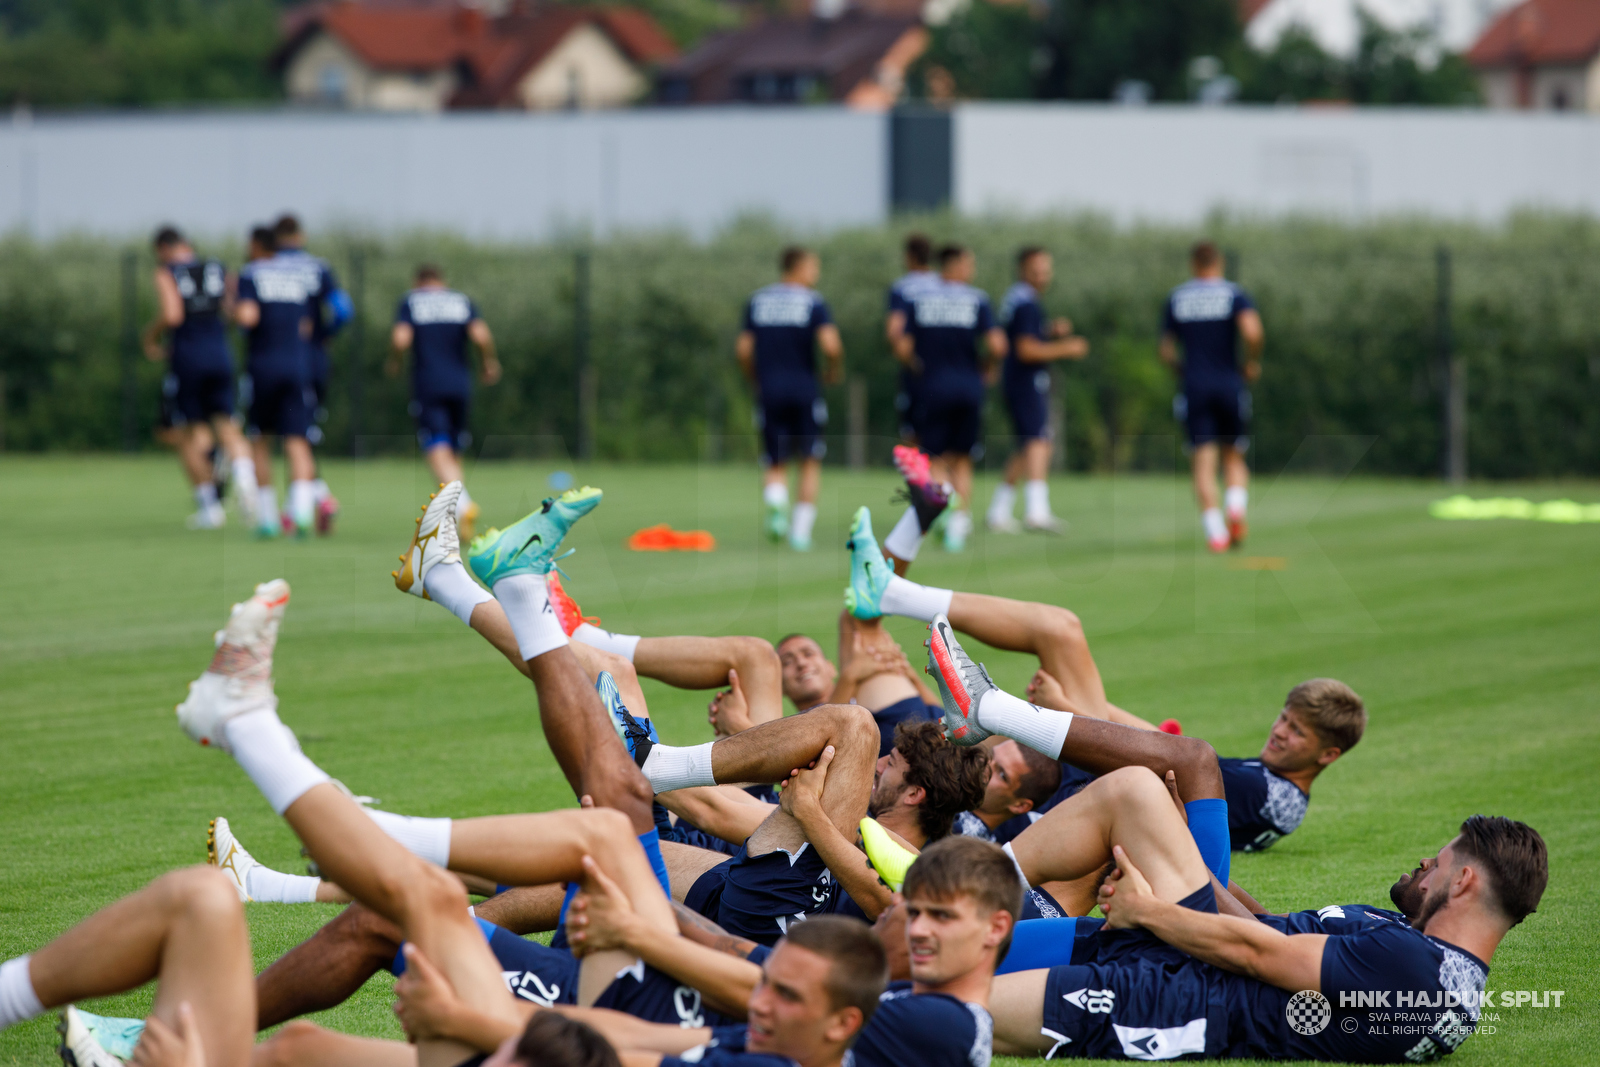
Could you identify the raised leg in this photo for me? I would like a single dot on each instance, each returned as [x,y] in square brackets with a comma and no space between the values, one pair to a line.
[327,968]
[769,752]
[704,663]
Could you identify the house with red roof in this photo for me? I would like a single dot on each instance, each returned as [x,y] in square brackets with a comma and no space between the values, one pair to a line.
[1541,54]
[418,56]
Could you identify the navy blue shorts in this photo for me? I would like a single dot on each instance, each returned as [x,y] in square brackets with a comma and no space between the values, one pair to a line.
[684,832]
[441,420]
[646,993]
[705,896]
[1218,415]
[1028,404]
[792,428]
[762,895]
[951,427]
[201,395]
[278,406]
[911,710]
[167,418]
[1138,1009]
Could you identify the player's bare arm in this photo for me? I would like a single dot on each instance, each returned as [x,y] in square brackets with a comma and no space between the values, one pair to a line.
[802,798]
[1254,338]
[478,331]
[744,349]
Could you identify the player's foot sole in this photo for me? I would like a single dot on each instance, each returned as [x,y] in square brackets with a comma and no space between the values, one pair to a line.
[528,546]
[962,683]
[888,857]
[1218,545]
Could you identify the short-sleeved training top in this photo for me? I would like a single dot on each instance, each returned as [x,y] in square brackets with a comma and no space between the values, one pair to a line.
[945,324]
[200,342]
[785,319]
[438,318]
[1262,805]
[1202,314]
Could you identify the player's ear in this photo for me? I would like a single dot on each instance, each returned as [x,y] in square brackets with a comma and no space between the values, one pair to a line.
[914,795]
[1001,923]
[1020,807]
[844,1024]
[1329,754]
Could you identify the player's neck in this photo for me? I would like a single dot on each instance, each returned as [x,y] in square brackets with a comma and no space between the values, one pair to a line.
[972,987]
[1465,930]
[993,819]
[1302,778]
[903,821]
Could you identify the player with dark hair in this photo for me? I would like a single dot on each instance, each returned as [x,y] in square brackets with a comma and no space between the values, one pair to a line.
[435,323]
[1208,316]
[193,298]
[947,324]
[784,324]
[919,276]
[331,309]
[1035,343]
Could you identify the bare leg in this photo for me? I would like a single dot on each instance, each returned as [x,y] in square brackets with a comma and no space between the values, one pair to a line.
[489,619]
[1234,470]
[187,931]
[261,447]
[297,453]
[622,672]
[704,663]
[723,811]
[1016,1001]
[1014,469]
[767,753]
[777,474]
[810,481]
[327,968]
[303,1044]
[1053,634]
[232,438]
[685,864]
[194,451]
[525,909]
[1205,475]
[960,467]
[1036,459]
[845,792]
[1101,747]
[445,464]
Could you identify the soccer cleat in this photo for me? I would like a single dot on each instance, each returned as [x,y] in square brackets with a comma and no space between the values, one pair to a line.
[327,513]
[1217,545]
[928,497]
[78,1047]
[528,546]
[116,1036]
[638,735]
[1171,726]
[1238,530]
[239,679]
[1050,524]
[567,611]
[286,525]
[777,522]
[798,543]
[266,531]
[869,570]
[956,530]
[1005,524]
[211,518]
[434,542]
[467,521]
[888,857]
[224,852]
[962,683]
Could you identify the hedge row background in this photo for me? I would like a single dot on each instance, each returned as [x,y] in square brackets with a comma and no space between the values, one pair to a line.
[1350,313]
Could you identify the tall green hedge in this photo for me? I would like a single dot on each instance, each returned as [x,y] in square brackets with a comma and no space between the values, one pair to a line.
[1350,313]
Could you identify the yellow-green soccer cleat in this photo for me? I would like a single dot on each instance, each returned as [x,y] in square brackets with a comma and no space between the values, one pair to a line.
[888,857]
[529,545]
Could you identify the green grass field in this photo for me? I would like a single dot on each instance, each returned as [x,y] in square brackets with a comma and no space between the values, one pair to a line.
[1474,643]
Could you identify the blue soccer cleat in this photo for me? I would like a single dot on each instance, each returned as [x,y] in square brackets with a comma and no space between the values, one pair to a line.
[869,570]
[529,545]
[639,735]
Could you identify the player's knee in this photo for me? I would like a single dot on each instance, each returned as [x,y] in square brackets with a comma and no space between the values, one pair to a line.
[1063,626]
[1195,763]
[857,729]
[601,828]
[426,889]
[203,891]
[755,651]
[1131,786]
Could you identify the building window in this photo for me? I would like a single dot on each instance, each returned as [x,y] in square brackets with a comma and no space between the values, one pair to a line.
[331,83]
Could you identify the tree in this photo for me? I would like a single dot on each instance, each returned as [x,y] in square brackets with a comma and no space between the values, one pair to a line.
[1389,67]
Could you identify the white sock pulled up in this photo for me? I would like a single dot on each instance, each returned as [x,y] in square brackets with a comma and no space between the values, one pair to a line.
[617,644]
[1041,729]
[805,517]
[452,588]
[274,887]
[526,600]
[1001,504]
[1236,498]
[244,479]
[923,602]
[267,506]
[1036,499]
[302,503]
[319,491]
[775,494]
[906,537]
[669,767]
[18,1001]
[205,495]
[269,754]
[1211,521]
[427,839]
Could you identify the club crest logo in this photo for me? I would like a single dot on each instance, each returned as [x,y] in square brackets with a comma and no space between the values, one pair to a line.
[1308,1012]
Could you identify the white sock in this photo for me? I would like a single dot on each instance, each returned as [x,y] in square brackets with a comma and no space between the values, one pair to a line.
[1041,729]
[269,754]
[267,507]
[205,495]
[18,1001]
[617,644]
[805,516]
[526,599]
[274,887]
[1236,498]
[960,524]
[1216,529]
[452,588]
[775,494]
[244,478]
[923,602]
[906,537]
[1000,505]
[463,502]
[426,838]
[1036,497]
[320,491]
[669,767]
[1022,876]
[302,503]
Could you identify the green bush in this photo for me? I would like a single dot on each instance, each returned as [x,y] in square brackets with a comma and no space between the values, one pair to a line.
[1350,314]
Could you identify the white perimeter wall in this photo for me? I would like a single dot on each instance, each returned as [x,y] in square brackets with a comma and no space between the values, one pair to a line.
[1175,164]
[489,175]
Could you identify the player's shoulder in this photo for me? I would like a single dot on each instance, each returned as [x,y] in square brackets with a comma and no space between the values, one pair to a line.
[939,1028]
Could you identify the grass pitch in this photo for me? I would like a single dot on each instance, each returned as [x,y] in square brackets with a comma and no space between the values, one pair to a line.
[1474,643]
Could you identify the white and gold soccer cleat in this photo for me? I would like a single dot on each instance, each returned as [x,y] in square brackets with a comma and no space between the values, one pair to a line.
[224,852]
[436,541]
[239,679]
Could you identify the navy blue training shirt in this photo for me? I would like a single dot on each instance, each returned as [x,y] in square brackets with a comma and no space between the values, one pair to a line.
[1262,805]
[321,280]
[1335,920]
[200,342]
[784,319]
[438,318]
[907,286]
[285,292]
[1202,314]
[1021,315]
[946,323]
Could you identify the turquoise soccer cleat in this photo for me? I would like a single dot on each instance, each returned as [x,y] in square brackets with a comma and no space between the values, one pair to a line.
[529,545]
[639,735]
[869,569]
